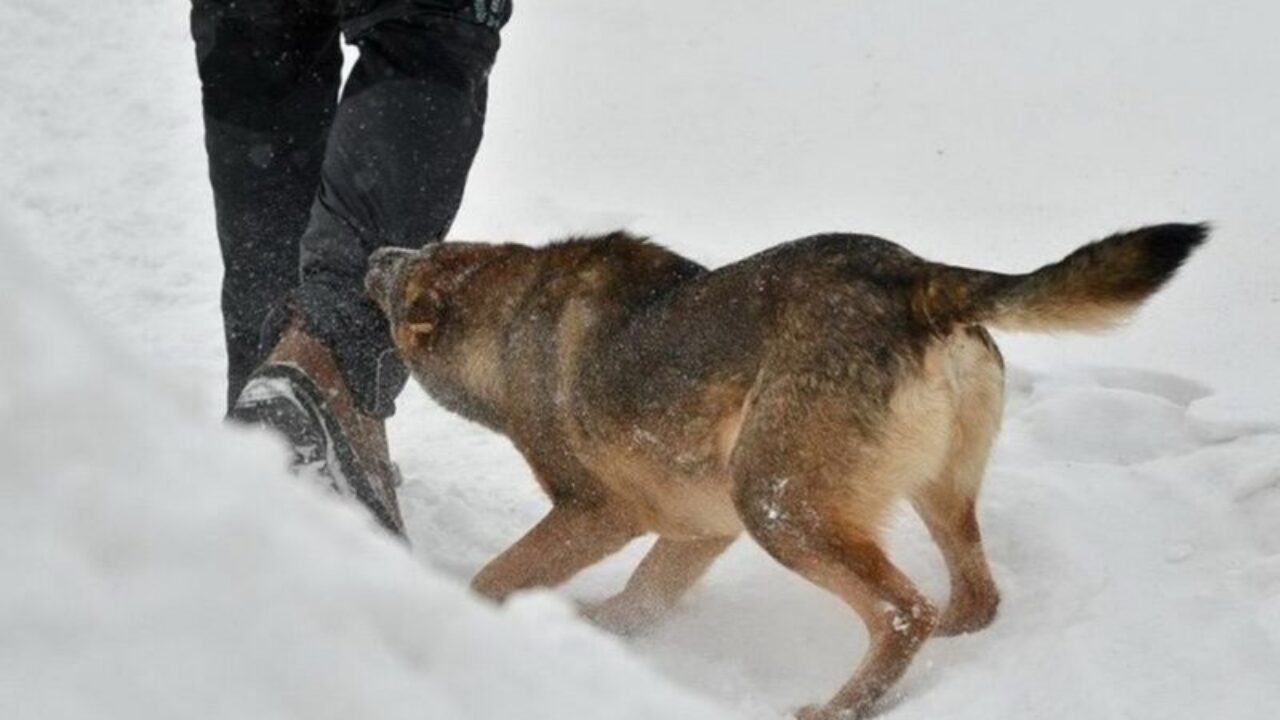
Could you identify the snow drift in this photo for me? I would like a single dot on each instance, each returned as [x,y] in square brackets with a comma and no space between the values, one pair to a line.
[157,565]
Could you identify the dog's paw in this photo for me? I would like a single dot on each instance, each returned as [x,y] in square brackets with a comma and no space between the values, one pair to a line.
[619,616]
[811,712]
[822,712]
[968,616]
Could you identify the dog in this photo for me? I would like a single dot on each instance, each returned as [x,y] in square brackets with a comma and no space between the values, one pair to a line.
[797,395]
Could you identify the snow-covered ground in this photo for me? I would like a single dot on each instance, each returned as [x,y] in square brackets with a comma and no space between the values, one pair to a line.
[158,565]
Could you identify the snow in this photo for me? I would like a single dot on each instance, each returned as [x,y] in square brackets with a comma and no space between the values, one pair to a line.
[157,564]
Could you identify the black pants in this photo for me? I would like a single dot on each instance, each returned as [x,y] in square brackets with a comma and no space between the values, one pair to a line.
[306,186]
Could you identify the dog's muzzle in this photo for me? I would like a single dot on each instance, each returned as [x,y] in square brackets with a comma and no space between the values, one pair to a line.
[386,265]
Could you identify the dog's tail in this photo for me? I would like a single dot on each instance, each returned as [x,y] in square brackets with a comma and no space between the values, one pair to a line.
[1093,288]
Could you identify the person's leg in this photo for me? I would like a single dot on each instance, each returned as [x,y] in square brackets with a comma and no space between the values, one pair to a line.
[407,129]
[270,72]
[397,158]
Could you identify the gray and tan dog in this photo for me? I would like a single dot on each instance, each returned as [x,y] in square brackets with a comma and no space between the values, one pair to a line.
[797,394]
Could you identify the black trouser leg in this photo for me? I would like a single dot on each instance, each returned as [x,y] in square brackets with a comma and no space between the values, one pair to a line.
[407,129]
[269,71]
[406,132]
[394,163]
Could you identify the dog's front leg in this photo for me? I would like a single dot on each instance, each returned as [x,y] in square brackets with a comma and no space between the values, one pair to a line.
[663,577]
[569,539]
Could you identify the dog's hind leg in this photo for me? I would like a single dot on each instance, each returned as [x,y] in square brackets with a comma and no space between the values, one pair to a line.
[569,539]
[815,502]
[947,504]
[667,572]
[951,518]
[849,562]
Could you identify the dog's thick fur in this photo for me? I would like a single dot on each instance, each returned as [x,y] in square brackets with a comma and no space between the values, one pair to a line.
[796,394]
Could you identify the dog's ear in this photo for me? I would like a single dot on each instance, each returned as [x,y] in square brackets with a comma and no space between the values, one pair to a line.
[422,308]
[435,278]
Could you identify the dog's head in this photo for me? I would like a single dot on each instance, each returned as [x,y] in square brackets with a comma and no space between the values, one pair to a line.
[418,290]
